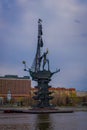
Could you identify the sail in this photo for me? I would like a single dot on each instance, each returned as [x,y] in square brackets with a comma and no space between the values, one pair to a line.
[36,63]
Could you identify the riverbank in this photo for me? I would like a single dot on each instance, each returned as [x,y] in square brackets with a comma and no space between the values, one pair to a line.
[64,108]
[73,108]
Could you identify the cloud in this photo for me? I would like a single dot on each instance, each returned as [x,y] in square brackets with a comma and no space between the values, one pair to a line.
[77,21]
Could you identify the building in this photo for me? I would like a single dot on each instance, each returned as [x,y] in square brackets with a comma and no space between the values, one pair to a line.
[81,93]
[15,88]
[63,96]
[82,98]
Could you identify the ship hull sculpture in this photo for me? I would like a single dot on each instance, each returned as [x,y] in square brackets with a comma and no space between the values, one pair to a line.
[40,72]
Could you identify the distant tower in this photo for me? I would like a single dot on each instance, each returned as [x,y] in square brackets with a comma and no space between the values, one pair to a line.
[41,73]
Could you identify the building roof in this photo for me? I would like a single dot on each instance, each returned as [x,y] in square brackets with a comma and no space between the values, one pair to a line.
[15,77]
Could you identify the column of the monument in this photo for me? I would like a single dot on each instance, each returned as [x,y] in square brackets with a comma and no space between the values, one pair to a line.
[41,93]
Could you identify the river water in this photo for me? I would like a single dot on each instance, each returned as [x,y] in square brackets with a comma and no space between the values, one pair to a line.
[59,121]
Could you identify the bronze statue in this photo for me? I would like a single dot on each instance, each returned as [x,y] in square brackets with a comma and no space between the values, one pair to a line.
[41,74]
[45,60]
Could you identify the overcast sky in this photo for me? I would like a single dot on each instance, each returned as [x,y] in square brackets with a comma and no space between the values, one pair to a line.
[64,34]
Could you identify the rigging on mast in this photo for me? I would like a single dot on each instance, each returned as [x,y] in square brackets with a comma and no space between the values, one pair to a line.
[37,62]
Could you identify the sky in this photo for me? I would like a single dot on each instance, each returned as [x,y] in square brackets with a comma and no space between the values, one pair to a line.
[64,34]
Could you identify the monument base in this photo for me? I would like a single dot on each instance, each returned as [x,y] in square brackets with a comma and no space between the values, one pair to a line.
[37,111]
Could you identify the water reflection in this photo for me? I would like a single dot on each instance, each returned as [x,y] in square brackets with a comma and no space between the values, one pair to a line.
[58,121]
[43,122]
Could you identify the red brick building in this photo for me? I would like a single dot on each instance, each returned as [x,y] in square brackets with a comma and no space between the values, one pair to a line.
[19,87]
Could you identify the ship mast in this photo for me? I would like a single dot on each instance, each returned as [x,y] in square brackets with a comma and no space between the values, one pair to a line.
[36,63]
